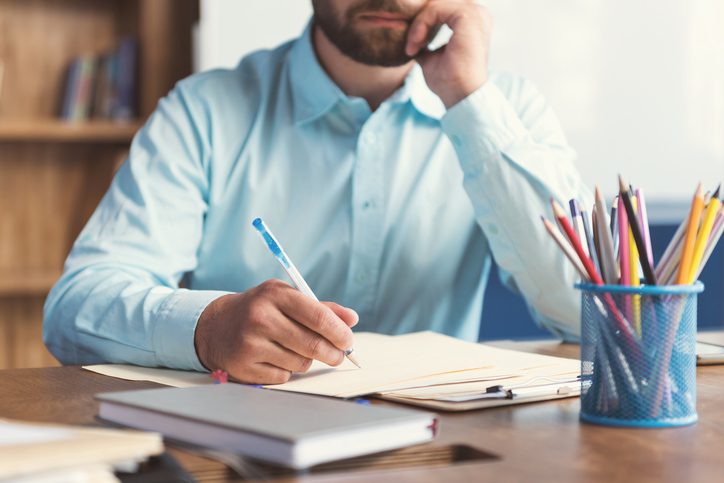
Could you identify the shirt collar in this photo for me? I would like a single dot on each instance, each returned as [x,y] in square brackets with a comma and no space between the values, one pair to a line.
[314,93]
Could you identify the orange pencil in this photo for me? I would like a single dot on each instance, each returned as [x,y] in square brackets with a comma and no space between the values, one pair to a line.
[687,254]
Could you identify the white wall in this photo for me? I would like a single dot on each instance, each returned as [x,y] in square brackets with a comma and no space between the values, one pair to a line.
[638,85]
[229,29]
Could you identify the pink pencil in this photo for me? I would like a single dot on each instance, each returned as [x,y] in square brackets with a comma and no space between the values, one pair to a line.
[644,221]
[623,245]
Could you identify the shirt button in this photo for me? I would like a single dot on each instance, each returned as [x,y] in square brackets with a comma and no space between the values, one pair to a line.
[368,204]
[493,229]
[361,277]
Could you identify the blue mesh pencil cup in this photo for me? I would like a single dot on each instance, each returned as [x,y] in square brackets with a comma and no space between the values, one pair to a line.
[638,355]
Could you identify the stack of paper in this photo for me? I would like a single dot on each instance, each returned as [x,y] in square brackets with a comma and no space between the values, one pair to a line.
[434,370]
[423,368]
[49,453]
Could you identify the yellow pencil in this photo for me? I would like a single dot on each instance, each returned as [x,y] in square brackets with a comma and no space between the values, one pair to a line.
[697,206]
[711,210]
[634,273]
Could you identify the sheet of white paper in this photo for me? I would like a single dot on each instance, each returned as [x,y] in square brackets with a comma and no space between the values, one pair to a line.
[169,377]
[413,360]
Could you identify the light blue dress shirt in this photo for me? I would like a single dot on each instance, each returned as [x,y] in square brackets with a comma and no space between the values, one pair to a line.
[396,213]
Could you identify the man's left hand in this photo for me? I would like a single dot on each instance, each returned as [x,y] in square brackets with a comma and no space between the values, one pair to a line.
[456,70]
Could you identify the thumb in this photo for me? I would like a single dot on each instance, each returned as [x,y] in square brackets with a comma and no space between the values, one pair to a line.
[347,315]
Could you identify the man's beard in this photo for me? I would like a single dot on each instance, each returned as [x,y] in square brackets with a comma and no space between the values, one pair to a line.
[373,46]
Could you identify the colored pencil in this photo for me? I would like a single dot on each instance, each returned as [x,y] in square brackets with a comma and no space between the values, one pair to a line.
[669,273]
[673,246]
[566,247]
[640,246]
[644,221]
[590,240]
[577,221]
[633,254]
[614,233]
[669,264]
[702,237]
[575,243]
[635,300]
[607,254]
[623,246]
[716,233]
[592,274]
[697,206]
[596,243]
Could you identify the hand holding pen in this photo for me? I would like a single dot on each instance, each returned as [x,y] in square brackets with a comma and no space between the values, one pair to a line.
[276,248]
[263,335]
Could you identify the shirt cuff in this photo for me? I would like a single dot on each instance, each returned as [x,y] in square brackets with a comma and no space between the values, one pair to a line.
[175,327]
[484,123]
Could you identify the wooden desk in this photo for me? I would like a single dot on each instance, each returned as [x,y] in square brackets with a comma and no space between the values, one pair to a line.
[534,442]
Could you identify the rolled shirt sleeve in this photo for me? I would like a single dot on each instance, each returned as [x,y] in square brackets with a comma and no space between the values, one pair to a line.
[515,157]
[119,299]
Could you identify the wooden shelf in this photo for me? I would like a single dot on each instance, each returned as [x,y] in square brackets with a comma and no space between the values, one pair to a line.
[54,130]
[27,282]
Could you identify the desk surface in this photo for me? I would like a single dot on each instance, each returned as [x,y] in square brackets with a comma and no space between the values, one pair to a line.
[533,442]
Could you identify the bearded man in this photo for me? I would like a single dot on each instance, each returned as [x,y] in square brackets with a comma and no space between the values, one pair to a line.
[393,174]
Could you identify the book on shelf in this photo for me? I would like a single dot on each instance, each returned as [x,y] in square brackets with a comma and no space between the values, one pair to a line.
[102,86]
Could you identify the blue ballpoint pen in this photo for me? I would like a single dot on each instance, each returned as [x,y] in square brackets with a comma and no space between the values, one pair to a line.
[289,267]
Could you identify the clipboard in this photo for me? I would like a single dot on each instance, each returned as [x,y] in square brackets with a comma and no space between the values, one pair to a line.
[477,404]
[496,396]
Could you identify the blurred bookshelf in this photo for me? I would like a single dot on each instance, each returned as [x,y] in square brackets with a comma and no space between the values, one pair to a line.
[54,171]
[28,282]
[58,130]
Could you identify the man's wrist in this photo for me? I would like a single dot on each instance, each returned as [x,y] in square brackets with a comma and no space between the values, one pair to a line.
[484,122]
[453,96]
[204,334]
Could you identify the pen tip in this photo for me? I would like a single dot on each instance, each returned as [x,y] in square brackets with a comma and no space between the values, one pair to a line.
[348,354]
[716,192]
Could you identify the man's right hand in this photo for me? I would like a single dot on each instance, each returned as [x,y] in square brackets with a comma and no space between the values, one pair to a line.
[263,335]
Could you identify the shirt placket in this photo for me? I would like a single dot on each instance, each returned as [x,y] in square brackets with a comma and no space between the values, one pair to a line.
[367,218]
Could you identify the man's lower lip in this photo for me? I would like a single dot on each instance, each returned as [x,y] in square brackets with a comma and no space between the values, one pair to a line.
[385,21]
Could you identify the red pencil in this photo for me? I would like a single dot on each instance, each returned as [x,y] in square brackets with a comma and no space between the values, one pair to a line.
[560,216]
